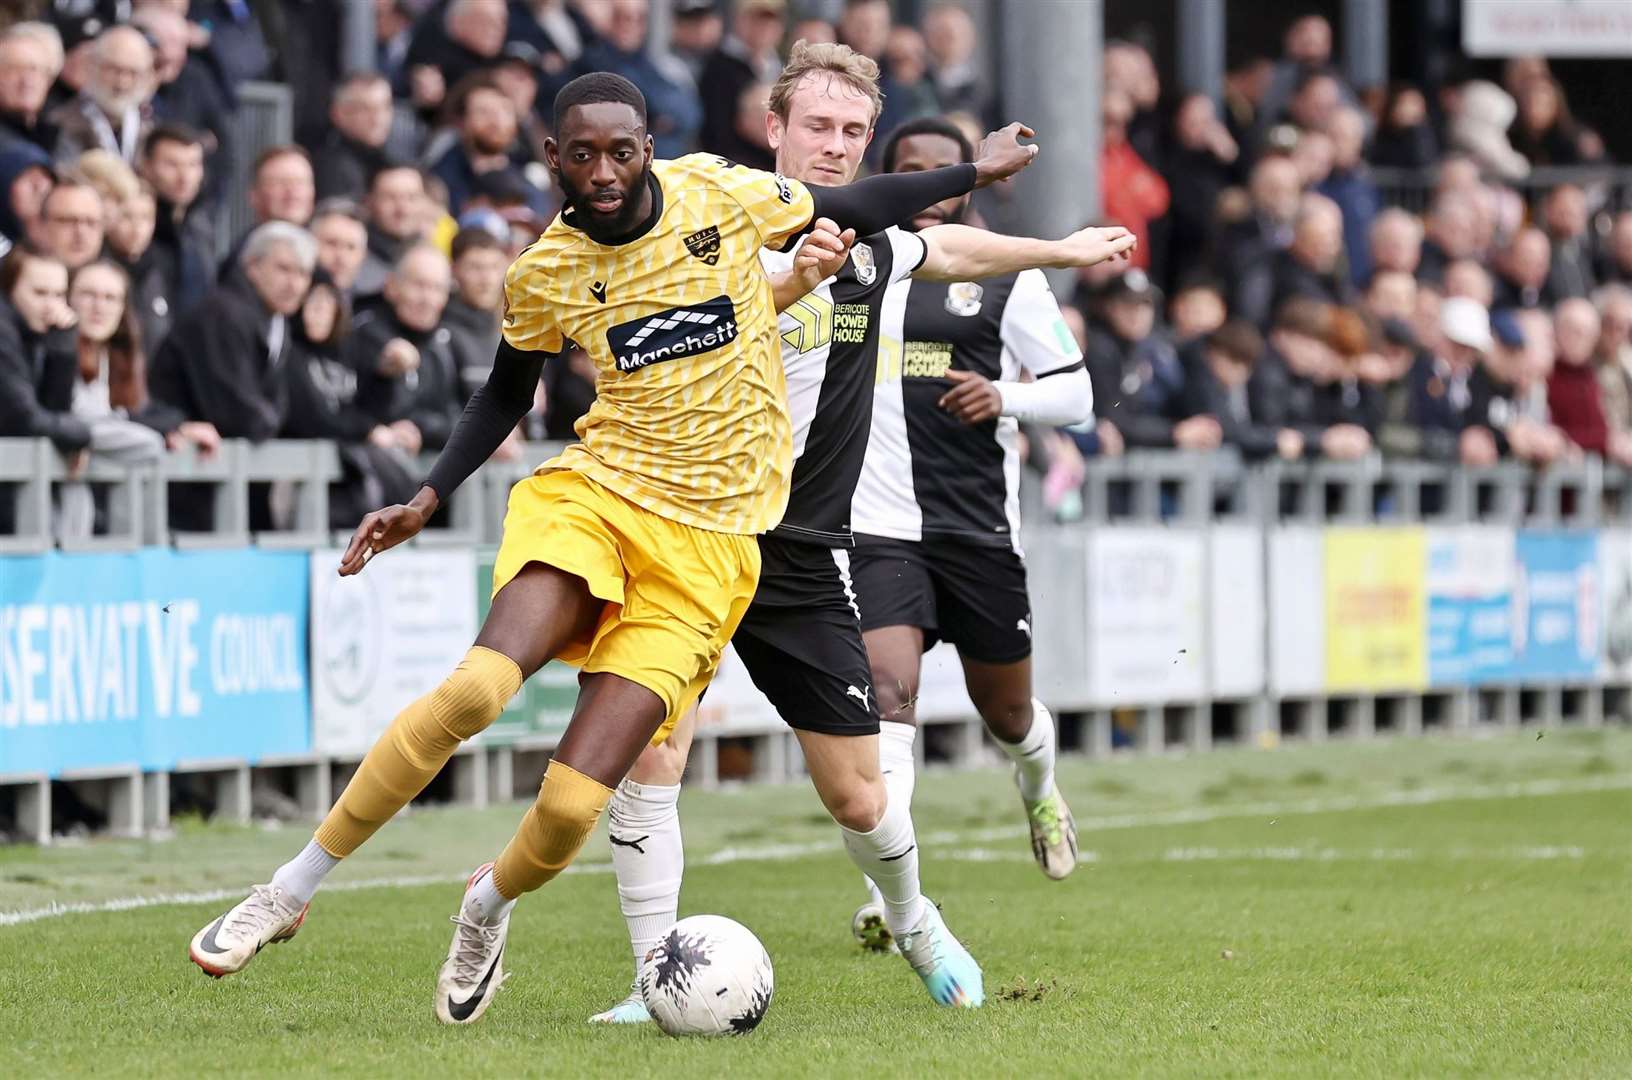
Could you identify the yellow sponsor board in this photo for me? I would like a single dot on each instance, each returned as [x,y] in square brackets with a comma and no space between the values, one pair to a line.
[1376,609]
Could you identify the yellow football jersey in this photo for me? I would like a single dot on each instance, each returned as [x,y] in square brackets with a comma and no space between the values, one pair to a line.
[690,416]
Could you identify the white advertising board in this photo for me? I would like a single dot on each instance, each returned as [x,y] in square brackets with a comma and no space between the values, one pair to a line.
[383,638]
[1236,644]
[1547,27]
[1297,614]
[1145,616]
[1615,574]
[732,704]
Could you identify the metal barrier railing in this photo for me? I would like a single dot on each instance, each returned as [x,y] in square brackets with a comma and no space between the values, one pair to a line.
[1159,519]
[138,496]
[1608,187]
[1174,486]
[1194,487]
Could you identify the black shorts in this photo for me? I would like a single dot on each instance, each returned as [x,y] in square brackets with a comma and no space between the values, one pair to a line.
[801,640]
[969,594]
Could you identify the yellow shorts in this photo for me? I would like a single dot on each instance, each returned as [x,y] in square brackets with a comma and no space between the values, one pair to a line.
[674,593]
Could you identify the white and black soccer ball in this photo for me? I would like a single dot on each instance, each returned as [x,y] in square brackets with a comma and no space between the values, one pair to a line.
[707,975]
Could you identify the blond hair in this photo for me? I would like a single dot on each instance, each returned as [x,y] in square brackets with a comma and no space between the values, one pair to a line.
[109,175]
[825,57]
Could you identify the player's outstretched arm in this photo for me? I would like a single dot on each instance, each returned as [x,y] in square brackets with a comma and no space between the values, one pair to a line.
[490,416]
[964,253]
[819,258]
[874,204]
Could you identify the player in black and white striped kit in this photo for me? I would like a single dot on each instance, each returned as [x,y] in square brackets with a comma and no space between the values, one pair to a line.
[936,511]
[801,638]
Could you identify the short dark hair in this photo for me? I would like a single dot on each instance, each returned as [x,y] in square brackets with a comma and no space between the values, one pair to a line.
[393,165]
[928,125]
[11,267]
[459,97]
[170,132]
[273,153]
[357,80]
[474,239]
[339,206]
[1302,315]
[596,88]
[1239,340]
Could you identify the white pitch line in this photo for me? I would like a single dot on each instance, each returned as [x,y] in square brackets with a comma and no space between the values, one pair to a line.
[1348,804]
[783,852]
[1282,854]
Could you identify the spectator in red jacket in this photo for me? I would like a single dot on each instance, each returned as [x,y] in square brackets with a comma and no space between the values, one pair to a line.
[1135,193]
[1573,395]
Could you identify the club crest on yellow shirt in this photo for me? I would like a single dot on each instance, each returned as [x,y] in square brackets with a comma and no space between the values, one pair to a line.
[705,244]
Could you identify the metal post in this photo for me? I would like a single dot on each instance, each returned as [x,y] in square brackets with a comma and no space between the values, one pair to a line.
[1201,47]
[357,47]
[1365,42]
[660,27]
[1052,76]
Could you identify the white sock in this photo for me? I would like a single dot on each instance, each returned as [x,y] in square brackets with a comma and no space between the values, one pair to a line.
[896,762]
[900,769]
[300,876]
[485,901]
[889,857]
[1033,756]
[649,858]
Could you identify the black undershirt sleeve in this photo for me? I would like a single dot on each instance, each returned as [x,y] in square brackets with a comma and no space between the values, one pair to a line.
[490,415]
[874,204]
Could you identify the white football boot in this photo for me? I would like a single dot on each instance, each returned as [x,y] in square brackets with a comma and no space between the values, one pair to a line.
[474,969]
[1053,834]
[950,974]
[267,916]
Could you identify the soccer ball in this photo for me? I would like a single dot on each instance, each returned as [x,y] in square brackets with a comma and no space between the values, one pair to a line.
[707,975]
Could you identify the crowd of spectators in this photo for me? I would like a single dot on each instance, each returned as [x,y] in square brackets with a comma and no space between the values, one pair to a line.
[1284,307]
[1278,303]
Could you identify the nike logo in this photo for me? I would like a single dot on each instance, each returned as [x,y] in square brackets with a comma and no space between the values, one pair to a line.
[619,841]
[897,858]
[208,944]
[597,289]
[461,1010]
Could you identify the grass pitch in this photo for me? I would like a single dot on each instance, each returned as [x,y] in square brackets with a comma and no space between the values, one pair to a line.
[1435,907]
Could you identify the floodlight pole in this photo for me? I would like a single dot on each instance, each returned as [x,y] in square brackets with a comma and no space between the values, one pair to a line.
[1053,64]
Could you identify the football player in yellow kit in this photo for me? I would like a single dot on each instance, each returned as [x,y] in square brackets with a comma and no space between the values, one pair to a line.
[633,554]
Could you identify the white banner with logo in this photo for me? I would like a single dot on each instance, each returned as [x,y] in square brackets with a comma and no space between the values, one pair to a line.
[1547,27]
[383,638]
[1297,611]
[1145,610]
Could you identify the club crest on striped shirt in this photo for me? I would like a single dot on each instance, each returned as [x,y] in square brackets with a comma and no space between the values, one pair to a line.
[861,257]
[963,298]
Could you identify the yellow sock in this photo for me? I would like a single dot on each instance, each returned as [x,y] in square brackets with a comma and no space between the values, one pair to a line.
[552,832]
[417,744]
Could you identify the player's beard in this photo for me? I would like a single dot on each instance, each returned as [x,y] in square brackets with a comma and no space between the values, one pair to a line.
[934,216]
[605,228]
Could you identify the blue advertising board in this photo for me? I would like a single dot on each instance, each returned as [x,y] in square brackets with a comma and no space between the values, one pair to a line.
[1558,606]
[1472,574]
[151,658]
